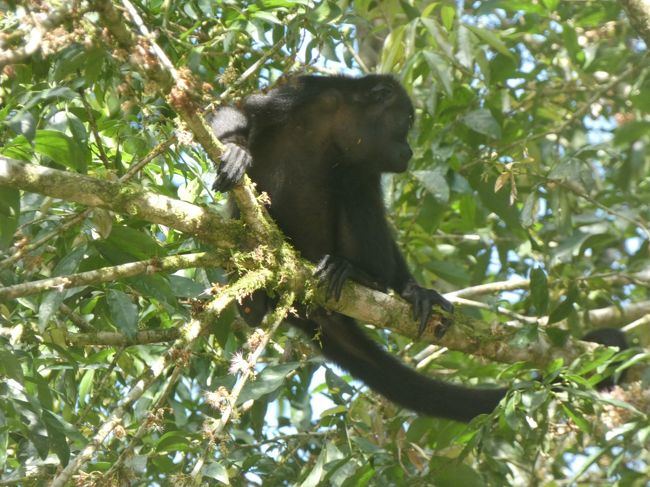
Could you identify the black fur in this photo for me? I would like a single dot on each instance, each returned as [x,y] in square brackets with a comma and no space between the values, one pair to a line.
[318,147]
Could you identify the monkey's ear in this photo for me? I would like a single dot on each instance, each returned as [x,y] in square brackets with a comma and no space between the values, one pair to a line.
[329,101]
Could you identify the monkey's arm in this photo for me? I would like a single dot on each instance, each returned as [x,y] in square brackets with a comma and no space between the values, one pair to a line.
[231,127]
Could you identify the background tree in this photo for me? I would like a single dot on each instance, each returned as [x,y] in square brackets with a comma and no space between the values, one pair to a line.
[527,201]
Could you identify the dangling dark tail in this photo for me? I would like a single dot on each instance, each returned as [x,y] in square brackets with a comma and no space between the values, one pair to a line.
[341,340]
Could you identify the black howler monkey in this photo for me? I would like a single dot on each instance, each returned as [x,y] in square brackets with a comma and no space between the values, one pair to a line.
[318,146]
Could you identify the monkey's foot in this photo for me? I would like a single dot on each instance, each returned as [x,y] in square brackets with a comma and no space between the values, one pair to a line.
[333,272]
[422,300]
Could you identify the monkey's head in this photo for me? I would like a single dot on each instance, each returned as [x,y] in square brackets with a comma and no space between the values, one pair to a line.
[365,120]
[371,124]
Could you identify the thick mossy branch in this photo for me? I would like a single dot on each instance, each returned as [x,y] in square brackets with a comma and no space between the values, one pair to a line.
[467,335]
[274,265]
[204,223]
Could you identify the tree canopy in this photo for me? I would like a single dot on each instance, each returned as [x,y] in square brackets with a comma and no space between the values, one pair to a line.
[527,201]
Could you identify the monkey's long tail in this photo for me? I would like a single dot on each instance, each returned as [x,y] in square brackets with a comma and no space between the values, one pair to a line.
[341,340]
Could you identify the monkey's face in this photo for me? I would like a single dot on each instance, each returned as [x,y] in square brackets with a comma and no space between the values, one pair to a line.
[370,128]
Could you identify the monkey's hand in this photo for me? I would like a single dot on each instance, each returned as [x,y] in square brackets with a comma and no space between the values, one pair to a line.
[234,162]
[333,271]
[422,300]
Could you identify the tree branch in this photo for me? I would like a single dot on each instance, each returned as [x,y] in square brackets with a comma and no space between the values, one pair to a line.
[638,13]
[108,274]
[204,223]
[115,339]
[271,323]
[361,303]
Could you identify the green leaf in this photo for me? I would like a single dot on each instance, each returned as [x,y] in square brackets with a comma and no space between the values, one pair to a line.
[57,437]
[325,12]
[571,44]
[64,120]
[172,441]
[86,386]
[565,308]
[498,203]
[124,313]
[216,471]
[183,287]
[336,384]
[53,299]
[266,17]
[490,38]
[4,441]
[447,14]
[539,290]
[60,148]
[366,445]
[9,214]
[316,471]
[441,70]
[361,477]
[483,122]
[443,475]
[393,49]
[631,132]
[336,410]
[578,418]
[269,380]
[49,95]
[137,243]
[435,182]
[18,148]
[529,211]
[10,366]
[23,123]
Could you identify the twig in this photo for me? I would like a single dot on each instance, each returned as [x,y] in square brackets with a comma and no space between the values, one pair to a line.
[497,309]
[252,69]
[93,127]
[115,339]
[276,318]
[20,252]
[114,420]
[194,329]
[108,274]
[578,192]
[145,426]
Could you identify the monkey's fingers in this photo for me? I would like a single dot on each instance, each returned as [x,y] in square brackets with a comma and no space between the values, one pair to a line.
[234,162]
[440,300]
[425,313]
[336,284]
[333,272]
